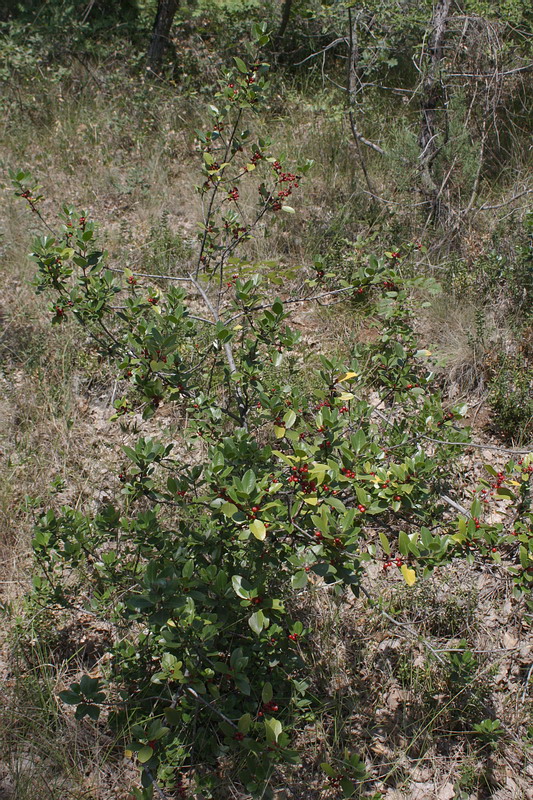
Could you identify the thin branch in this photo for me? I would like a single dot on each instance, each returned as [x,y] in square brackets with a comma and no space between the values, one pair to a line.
[479,446]
[495,74]
[147,275]
[201,700]
[360,138]
[324,49]
[485,207]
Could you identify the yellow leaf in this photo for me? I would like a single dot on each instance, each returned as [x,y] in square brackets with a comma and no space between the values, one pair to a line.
[409,575]
[347,376]
[249,167]
[258,529]
[279,431]
[128,753]
[312,500]
[237,327]
[344,396]
[514,483]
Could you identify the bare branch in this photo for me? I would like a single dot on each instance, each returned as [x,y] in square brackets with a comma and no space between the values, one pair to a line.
[505,202]
[494,74]
[341,39]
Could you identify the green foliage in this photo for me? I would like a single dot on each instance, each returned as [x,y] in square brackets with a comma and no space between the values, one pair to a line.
[489,731]
[511,398]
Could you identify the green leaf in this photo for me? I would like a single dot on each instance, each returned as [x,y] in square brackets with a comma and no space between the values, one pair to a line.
[257,622]
[362,496]
[244,723]
[403,543]
[289,418]
[359,440]
[385,544]
[347,787]
[273,729]
[503,492]
[172,716]
[69,697]
[258,529]
[240,591]
[228,509]
[267,694]
[248,481]
[241,66]
[299,579]
[145,754]
[328,769]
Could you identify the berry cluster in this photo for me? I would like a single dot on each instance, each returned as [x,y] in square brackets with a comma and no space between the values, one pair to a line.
[180,789]
[287,178]
[268,708]
[300,476]
[387,564]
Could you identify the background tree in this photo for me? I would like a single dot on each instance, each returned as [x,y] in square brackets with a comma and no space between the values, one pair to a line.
[166,10]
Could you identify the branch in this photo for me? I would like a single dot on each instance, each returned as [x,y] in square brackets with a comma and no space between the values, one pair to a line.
[360,138]
[495,74]
[153,277]
[505,202]
[324,49]
[227,349]
[201,700]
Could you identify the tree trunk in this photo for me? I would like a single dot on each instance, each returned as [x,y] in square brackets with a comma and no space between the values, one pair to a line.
[166,10]
[351,88]
[285,16]
[432,97]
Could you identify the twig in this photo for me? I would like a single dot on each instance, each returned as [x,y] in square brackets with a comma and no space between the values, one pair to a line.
[496,74]
[528,676]
[146,275]
[203,702]
[342,39]
[478,445]
[505,202]
[227,349]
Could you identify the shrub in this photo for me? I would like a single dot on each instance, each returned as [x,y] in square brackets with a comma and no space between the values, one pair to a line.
[279,486]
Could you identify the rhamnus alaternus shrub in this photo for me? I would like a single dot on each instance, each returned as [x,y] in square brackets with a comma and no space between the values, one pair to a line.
[296,473]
